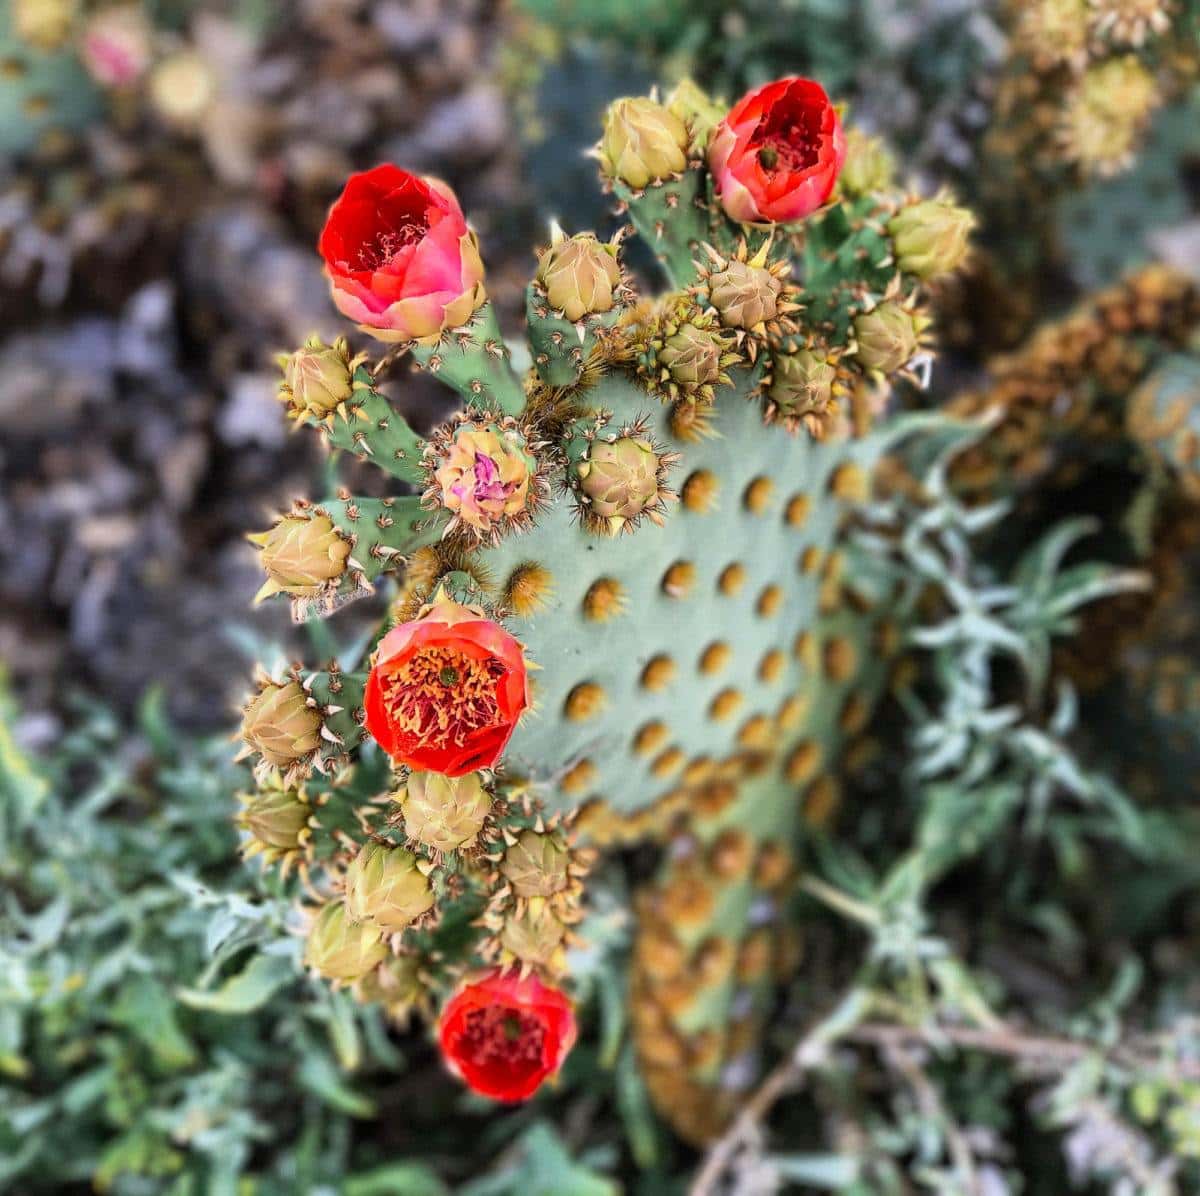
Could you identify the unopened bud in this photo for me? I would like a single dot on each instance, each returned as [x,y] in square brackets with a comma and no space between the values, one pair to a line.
[697,110]
[580,275]
[930,237]
[692,356]
[340,948]
[643,143]
[869,165]
[888,337]
[620,477]
[384,885]
[444,813]
[802,384]
[280,725]
[745,295]
[277,819]
[300,555]
[536,864]
[316,377]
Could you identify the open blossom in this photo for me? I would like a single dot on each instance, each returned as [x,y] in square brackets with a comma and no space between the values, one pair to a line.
[505,1034]
[446,690]
[484,477]
[402,261]
[776,156]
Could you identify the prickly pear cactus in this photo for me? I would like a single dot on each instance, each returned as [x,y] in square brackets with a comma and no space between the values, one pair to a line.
[622,608]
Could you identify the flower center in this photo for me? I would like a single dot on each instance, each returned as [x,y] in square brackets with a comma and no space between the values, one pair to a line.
[496,1036]
[789,137]
[379,249]
[441,696]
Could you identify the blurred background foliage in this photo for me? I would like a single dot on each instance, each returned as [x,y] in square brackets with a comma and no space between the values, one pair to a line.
[1000,985]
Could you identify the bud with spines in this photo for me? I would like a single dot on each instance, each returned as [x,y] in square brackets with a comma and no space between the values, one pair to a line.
[340,948]
[281,724]
[317,378]
[888,336]
[444,813]
[621,480]
[276,820]
[931,236]
[537,864]
[387,885]
[643,143]
[698,110]
[580,275]
[802,390]
[870,166]
[301,555]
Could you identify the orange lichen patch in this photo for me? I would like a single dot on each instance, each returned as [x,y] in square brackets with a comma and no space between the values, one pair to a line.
[713,798]
[849,482]
[679,579]
[699,769]
[810,559]
[821,801]
[585,701]
[715,657]
[756,732]
[730,853]
[604,600]
[840,659]
[803,762]
[441,696]
[804,649]
[658,673]
[528,589]
[699,493]
[792,711]
[732,579]
[771,666]
[887,639]
[796,511]
[725,704]
[579,778]
[757,495]
[856,713]
[668,763]
[773,867]
[754,958]
[769,601]
[687,897]
[713,960]
[650,738]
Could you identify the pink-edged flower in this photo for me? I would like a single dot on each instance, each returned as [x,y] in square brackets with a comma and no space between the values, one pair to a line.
[483,477]
[116,46]
[505,1034]
[777,154]
[402,261]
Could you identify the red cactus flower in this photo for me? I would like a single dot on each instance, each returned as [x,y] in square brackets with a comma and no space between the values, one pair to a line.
[446,690]
[402,262]
[778,153]
[504,1034]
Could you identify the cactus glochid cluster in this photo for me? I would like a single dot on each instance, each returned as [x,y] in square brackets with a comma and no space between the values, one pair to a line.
[620,602]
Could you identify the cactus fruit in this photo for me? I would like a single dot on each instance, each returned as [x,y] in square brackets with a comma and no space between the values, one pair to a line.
[626,600]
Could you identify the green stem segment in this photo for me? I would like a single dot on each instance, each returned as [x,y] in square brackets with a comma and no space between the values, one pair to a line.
[372,429]
[474,361]
[669,220]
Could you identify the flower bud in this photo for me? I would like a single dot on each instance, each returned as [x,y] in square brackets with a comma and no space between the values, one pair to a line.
[444,813]
[482,476]
[869,164]
[396,985]
[930,237]
[745,295]
[300,555]
[280,725]
[534,937]
[384,885]
[1105,113]
[643,143]
[182,88]
[536,864]
[802,384]
[277,819]
[888,337]
[43,24]
[580,275]
[116,46]
[697,110]
[341,949]
[316,378]
[620,477]
[692,356]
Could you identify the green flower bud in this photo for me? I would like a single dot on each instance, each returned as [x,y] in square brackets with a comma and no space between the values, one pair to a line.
[580,275]
[930,237]
[643,143]
[341,949]
[384,885]
[444,813]
[697,110]
[620,477]
[277,819]
[692,356]
[745,295]
[316,378]
[396,985]
[301,554]
[535,937]
[802,384]
[536,864]
[280,725]
[869,165]
[888,337]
